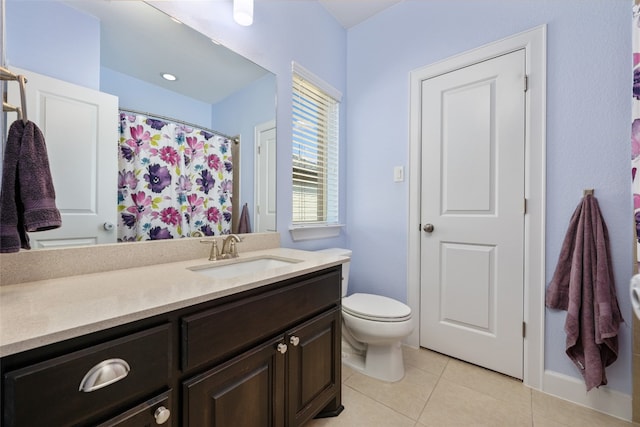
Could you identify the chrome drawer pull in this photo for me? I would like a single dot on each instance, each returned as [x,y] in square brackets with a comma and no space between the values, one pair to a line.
[104,373]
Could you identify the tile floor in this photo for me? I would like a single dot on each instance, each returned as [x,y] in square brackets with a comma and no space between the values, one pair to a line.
[443,392]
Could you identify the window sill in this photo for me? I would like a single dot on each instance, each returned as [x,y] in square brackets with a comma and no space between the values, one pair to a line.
[315,231]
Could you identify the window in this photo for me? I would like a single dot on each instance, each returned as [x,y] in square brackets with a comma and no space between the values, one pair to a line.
[315,150]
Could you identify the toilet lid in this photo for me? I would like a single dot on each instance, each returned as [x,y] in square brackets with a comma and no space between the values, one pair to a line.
[376,307]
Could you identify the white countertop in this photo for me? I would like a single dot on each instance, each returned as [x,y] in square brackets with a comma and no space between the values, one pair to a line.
[38,313]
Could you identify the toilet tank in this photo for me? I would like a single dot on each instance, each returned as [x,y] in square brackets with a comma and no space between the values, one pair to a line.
[345,266]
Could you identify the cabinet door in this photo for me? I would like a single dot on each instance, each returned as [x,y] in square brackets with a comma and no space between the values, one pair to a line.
[314,373]
[247,391]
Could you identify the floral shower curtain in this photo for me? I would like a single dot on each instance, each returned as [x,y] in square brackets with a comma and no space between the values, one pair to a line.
[635,126]
[173,180]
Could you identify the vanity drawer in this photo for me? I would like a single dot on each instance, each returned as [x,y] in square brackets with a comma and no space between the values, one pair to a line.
[223,331]
[155,411]
[49,393]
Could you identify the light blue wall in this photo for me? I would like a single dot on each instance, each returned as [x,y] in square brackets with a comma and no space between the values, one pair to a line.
[28,21]
[141,96]
[46,51]
[588,132]
[239,114]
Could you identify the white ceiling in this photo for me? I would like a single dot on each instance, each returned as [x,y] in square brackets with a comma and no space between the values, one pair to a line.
[352,12]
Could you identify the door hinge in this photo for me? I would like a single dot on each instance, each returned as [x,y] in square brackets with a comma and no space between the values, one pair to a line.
[524,206]
[526,83]
[524,329]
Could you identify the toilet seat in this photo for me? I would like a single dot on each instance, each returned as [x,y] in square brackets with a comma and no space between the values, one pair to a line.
[376,307]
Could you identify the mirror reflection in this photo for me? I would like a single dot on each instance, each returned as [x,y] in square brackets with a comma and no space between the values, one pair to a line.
[135,156]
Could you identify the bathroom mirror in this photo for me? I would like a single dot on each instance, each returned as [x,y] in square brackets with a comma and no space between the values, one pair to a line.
[133,44]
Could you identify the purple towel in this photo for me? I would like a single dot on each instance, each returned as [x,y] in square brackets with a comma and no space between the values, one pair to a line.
[245,225]
[583,285]
[27,198]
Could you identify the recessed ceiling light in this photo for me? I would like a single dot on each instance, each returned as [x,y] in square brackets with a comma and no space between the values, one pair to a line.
[169,76]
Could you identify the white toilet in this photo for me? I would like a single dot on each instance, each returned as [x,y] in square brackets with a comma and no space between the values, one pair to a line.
[373,327]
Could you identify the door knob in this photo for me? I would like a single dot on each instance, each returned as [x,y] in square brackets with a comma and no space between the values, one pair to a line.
[108,226]
[428,228]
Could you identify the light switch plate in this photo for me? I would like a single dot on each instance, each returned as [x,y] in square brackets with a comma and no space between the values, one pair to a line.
[398,174]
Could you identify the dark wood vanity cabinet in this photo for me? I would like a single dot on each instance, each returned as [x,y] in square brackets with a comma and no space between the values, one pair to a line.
[265,357]
[283,382]
[291,370]
[314,368]
[246,391]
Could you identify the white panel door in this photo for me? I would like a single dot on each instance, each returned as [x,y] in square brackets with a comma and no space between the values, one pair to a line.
[472,213]
[80,126]
[265,186]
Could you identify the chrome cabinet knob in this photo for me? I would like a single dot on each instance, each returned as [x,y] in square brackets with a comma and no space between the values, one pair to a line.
[294,340]
[282,348]
[428,228]
[161,415]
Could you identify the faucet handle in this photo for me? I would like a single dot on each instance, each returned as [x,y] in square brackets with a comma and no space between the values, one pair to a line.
[214,254]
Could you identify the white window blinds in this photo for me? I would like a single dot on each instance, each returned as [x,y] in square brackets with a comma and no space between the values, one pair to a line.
[315,150]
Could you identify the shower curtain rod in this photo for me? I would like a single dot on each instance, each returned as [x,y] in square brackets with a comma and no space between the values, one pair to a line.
[235,139]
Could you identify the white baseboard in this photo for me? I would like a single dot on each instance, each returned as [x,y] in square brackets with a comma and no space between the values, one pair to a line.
[603,399]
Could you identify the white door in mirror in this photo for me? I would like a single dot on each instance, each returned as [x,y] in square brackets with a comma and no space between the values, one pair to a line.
[265,178]
[635,294]
[80,129]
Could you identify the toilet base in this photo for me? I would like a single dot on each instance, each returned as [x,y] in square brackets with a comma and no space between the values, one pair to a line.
[383,362]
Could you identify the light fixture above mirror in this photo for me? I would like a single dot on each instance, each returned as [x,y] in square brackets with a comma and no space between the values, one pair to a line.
[243,12]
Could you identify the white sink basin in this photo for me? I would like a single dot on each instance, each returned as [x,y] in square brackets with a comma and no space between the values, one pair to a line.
[241,267]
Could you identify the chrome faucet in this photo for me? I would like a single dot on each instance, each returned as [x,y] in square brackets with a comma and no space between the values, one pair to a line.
[232,250]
